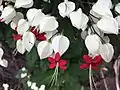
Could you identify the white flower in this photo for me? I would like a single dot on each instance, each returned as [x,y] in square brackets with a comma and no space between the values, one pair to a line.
[44,49]
[60,44]
[65,8]
[79,19]
[93,43]
[8,14]
[106,51]
[42,87]
[23,3]
[16,19]
[29,83]
[23,75]
[108,25]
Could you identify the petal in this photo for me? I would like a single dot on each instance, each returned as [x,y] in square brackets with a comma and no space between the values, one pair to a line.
[28,40]
[17,37]
[14,22]
[44,49]
[84,66]
[41,37]
[52,65]
[42,87]
[23,26]
[1,53]
[4,63]
[98,8]
[87,59]
[118,20]
[108,25]
[117,8]
[35,16]
[94,67]
[63,68]
[51,60]
[96,43]
[20,47]
[60,44]
[49,23]
[62,62]
[23,3]
[66,8]
[8,13]
[97,59]
[106,51]
[76,22]
[48,35]
[57,56]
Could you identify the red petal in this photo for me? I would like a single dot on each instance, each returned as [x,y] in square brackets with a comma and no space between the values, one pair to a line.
[17,37]
[41,37]
[63,68]
[84,66]
[97,59]
[62,62]
[94,67]
[53,65]
[57,56]
[87,59]
[51,60]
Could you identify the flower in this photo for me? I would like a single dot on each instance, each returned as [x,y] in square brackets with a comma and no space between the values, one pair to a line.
[53,62]
[17,36]
[94,62]
[39,36]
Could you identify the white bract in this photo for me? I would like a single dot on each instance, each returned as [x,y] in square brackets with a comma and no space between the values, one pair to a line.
[118,20]
[23,3]
[108,25]
[3,62]
[106,51]
[16,19]
[8,14]
[79,19]
[60,44]
[44,49]
[23,75]
[42,87]
[93,43]
[65,8]
[117,8]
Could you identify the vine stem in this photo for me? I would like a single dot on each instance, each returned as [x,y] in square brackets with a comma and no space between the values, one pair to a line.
[105,83]
[90,78]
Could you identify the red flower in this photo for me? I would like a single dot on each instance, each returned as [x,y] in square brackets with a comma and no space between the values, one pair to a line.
[17,37]
[53,62]
[94,62]
[39,36]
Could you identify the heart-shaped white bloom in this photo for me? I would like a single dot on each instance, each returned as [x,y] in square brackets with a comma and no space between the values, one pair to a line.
[35,16]
[14,22]
[8,14]
[108,25]
[44,49]
[98,9]
[20,47]
[33,86]
[78,19]
[23,3]
[60,44]
[42,87]
[106,51]
[93,43]
[29,83]
[48,35]
[65,8]
[117,8]
[28,40]
[48,23]
[23,26]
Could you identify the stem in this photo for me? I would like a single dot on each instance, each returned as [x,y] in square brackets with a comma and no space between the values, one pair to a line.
[102,74]
[94,83]
[90,79]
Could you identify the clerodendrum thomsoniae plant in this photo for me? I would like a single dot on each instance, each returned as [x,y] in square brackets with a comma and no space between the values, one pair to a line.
[64,41]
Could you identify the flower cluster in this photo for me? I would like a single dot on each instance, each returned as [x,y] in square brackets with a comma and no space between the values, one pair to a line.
[41,30]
